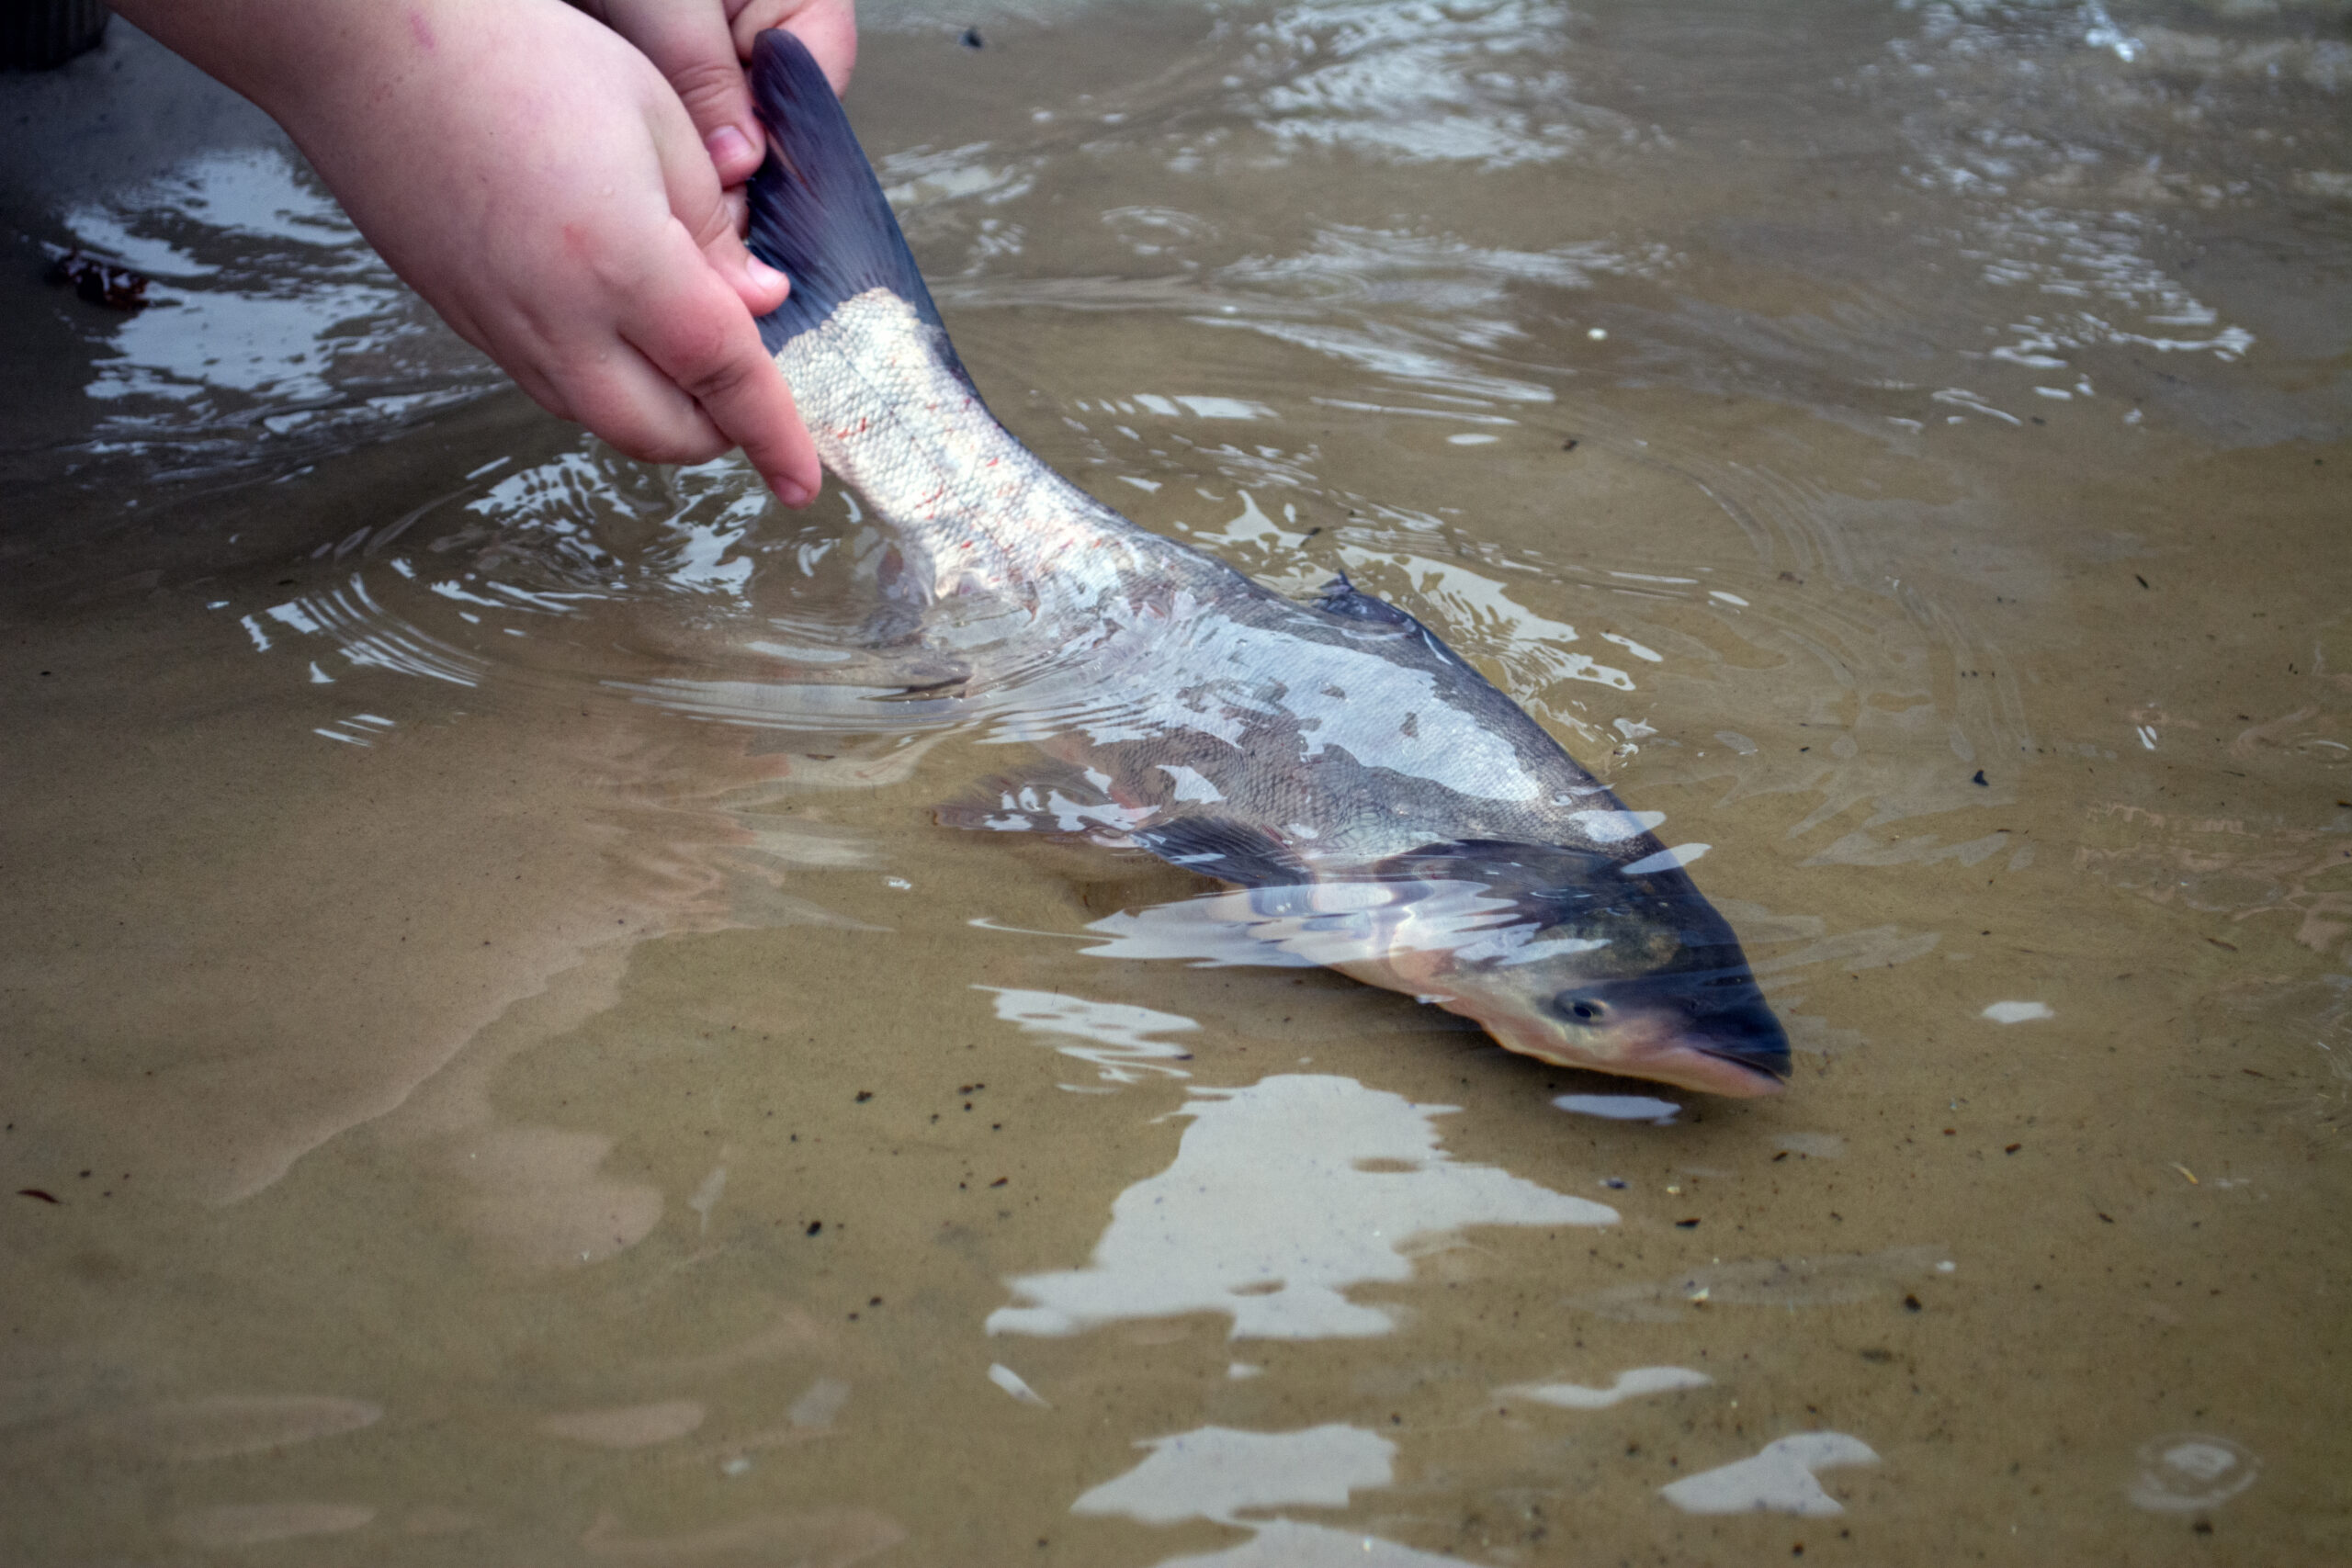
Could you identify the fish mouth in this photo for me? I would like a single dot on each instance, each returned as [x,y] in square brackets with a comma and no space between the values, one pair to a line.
[1661,1051]
[1714,1072]
[1735,1047]
[1680,1064]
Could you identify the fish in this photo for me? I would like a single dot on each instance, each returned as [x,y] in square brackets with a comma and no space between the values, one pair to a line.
[1379,802]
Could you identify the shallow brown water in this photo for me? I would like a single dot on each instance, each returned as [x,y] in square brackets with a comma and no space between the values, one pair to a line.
[488,1080]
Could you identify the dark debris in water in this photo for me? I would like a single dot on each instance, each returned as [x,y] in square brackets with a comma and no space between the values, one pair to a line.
[972,38]
[100,282]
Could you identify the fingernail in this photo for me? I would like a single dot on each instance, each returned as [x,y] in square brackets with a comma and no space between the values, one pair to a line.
[726,146]
[765,277]
[789,492]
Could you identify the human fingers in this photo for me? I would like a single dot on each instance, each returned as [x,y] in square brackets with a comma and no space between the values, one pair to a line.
[690,43]
[712,216]
[695,332]
[829,28]
[635,408]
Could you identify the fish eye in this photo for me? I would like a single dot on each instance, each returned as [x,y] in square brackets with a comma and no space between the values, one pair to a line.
[1581,1007]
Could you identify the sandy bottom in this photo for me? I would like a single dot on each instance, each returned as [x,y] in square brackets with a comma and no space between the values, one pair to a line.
[486,1080]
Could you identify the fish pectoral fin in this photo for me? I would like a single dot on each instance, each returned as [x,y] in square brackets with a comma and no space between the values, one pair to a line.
[913,674]
[1520,872]
[1226,849]
[955,682]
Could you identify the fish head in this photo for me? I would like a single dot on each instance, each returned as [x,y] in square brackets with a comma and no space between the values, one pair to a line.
[1581,966]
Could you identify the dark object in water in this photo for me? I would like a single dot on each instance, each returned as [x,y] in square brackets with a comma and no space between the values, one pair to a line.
[972,38]
[100,282]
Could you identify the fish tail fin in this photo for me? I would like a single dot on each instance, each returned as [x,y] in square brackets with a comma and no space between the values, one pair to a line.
[817,213]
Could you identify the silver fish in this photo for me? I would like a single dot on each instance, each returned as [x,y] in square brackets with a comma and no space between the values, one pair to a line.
[1392,813]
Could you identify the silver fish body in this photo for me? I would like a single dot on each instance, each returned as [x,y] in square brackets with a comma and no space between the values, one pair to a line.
[1334,757]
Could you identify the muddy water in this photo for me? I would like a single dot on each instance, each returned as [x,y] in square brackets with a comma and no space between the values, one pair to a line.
[492,1075]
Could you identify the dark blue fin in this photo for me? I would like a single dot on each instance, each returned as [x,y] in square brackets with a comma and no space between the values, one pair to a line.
[817,213]
[1225,849]
[1342,598]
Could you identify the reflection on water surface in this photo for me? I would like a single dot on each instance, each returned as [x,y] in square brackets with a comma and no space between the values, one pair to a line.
[1283,1196]
[510,1067]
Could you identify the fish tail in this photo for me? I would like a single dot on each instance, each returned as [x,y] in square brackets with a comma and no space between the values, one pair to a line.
[817,212]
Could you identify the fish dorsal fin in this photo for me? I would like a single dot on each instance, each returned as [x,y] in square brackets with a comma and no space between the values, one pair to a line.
[817,213]
[1226,849]
[1345,599]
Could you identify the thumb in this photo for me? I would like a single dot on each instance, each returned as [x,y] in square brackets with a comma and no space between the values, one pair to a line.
[758,286]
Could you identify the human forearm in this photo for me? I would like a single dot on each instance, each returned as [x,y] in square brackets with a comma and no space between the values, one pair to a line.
[535,177]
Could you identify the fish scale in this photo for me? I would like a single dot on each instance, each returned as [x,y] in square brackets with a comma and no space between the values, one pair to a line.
[1385,806]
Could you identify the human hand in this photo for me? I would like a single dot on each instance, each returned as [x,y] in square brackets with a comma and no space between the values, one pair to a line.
[700,45]
[535,178]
